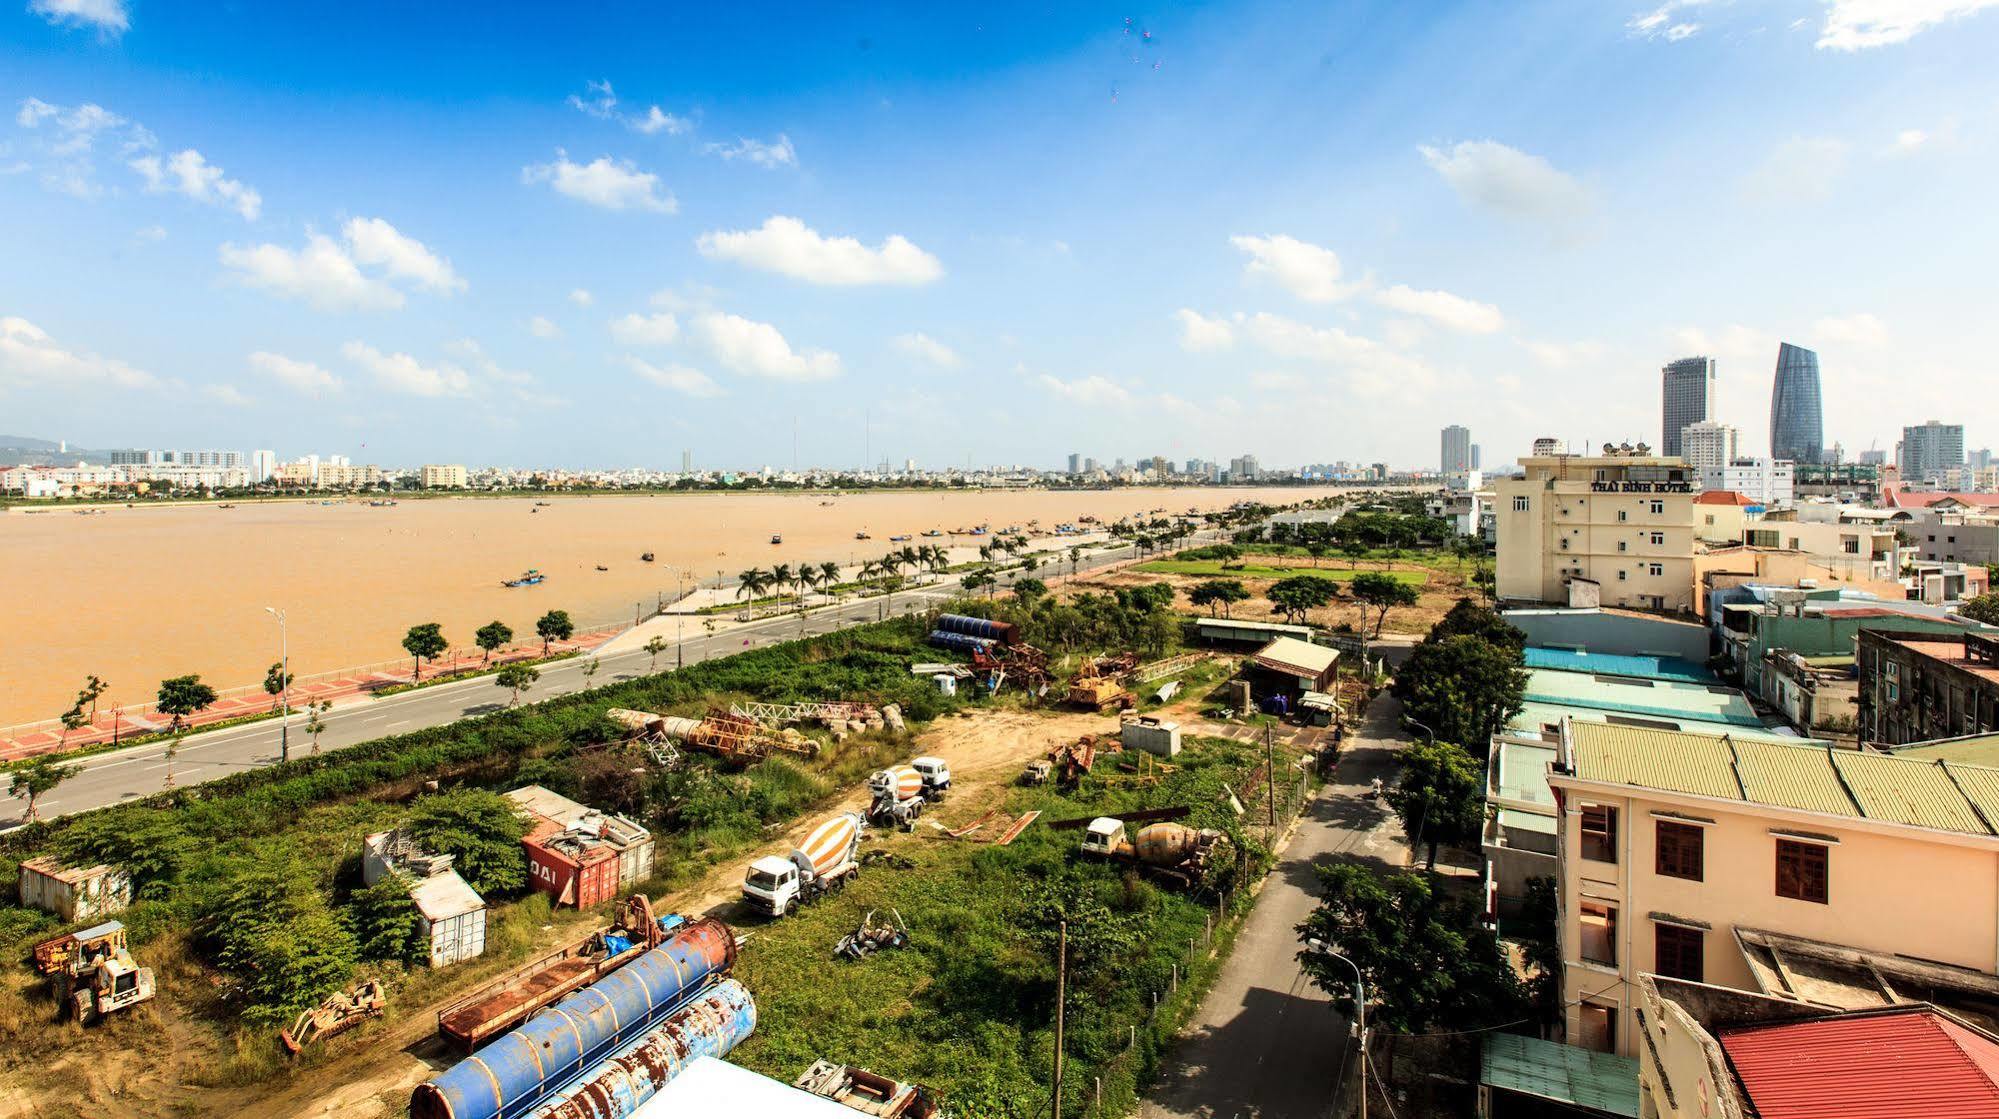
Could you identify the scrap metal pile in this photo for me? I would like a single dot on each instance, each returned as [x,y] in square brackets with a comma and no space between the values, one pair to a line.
[873,936]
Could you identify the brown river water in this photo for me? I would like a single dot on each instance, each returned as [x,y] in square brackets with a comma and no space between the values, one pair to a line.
[136,595]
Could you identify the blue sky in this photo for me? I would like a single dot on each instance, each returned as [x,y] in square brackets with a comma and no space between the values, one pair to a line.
[543,235]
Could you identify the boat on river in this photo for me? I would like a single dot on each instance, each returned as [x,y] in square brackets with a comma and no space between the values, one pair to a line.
[531,577]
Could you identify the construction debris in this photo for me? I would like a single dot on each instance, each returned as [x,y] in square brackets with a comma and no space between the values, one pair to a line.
[875,856]
[1037,772]
[736,739]
[342,1011]
[873,937]
[975,825]
[1014,829]
[867,1092]
[1100,683]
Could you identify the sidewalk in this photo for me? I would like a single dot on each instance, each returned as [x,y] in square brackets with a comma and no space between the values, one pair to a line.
[116,725]
[1266,1043]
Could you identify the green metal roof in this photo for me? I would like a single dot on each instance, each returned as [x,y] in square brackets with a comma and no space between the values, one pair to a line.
[1527,821]
[1663,699]
[1599,1082]
[1533,716]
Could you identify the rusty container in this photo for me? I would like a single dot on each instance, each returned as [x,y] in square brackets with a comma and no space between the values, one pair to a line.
[516,1073]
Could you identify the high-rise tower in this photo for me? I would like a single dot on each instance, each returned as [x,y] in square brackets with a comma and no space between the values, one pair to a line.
[1687,397]
[1797,419]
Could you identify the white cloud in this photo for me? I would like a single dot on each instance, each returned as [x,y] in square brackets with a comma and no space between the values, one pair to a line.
[1564,355]
[405,374]
[786,245]
[601,103]
[226,394]
[581,297]
[66,142]
[189,173]
[776,153]
[28,356]
[374,241]
[646,330]
[108,16]
[1514,185]
[303,376]
[1858,330]
[656,120]
[1910,139]
[679,378]
[150,234]
[925,348]
[1292,339]
[1852,25]
[541,326]
[758,350]
[1198,332]
[1801,168]
[1305,270]
[603,182]
[1453,312]
[1660,22]
[322,273]
[1092,391]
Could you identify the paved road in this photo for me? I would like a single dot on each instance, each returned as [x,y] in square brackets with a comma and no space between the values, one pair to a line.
[113,777]
[1267,1043]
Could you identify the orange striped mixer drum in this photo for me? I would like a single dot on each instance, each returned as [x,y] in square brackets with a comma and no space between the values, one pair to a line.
[831,843]
[901,780]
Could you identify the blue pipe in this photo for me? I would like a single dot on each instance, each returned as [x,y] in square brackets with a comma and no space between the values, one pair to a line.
[715,1022]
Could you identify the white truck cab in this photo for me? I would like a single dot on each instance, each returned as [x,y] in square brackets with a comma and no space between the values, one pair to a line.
[771,884]
[1103,836]
[936,775]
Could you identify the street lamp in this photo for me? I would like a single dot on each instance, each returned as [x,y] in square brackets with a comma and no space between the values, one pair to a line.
[1432,735]
[1360,1008]
[285,680]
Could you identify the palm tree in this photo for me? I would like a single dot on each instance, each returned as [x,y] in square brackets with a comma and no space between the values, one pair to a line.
[780,577]
[1075,558]
[829,574]
[750,584]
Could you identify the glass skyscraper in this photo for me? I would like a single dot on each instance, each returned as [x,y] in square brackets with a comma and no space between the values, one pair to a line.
[1687,395]
[1797,422]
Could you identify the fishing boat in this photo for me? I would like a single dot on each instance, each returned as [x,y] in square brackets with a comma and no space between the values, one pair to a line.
[601,567]
[862,536]
[528,578]
[777,538]
[382,503]
[645,556]
[225,505]
[542,503]
[934,532]
[898,539]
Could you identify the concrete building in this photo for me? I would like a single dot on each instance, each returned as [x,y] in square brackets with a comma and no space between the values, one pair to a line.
[1920,687]
[1682,854]
[1687,397]
[443,477]
[1075,463]
[263,464]
[1766,482]
[1949,533]
[1708,445]
[1721,516]
[1623,521]
[1455,457]
[1930,449]
[1547,446]
[1815,623]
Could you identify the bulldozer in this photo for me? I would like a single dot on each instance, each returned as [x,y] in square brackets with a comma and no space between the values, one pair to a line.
[1100,684]
[342,1011]
[92,972]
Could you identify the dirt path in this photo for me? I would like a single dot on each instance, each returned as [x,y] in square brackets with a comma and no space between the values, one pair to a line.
[986,751]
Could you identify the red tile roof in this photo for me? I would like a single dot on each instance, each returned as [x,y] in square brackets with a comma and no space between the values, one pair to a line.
[1721,497]
[1912,1062]
[1896,497]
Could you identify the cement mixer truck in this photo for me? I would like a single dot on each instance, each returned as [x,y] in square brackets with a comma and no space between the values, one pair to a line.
[1174,852]
[821,864]
[898,796]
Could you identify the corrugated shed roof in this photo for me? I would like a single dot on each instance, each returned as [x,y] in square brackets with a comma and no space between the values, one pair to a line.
[1563,1073]
[1976,749]
[1288,654]
[1790,778]
[1617,664]
[1906,792]
[1894,1065]
[1668,760]
[1980,786]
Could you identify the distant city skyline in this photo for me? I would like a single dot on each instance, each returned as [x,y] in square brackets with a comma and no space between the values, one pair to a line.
[920,233]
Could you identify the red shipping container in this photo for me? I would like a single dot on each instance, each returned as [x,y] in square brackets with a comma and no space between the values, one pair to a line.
[571,871]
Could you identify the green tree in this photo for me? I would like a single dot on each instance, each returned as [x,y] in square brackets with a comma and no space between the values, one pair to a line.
[37,779]
[386,922]
[517,678]
[1353,548]
[424,642]
[492,636]
[975,580]
[276,680]
[554,626]
[1317,551]
[1984,608]
[183,696]
[1468,617]
[1218,595]
[1463,688]
[72,720]
[1427,960]
[1027,590]
[1440,796]
[315,720]
[1383,592]
[170,752]
[152,845]
[94,688]
[655,645]
[1299,595]
[482,832]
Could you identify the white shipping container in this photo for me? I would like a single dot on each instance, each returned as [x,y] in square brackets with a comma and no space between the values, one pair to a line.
[454,918]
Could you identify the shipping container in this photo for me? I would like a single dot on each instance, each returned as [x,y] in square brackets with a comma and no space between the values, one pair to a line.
[633,843]
[569,870]
[453,918]
[74,893]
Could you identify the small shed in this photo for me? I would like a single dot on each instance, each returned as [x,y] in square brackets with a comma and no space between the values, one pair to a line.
[74,893]
[1290,667]
[453,918]
[1153,735]
[1521,1077]
[1241,631]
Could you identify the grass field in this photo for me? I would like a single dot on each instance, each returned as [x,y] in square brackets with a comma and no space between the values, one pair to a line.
[1213,569]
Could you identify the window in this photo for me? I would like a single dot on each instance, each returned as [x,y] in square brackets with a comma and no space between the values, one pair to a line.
[1894,692]
[1802,870]
[1655,569]
[1623,516]
[1520,504]
[1597,1030]
[1658,538]
[1599,941]
[1621,545]
[1710,518]
[1600,833]
[1658,508]
[1620,576]
[1681,851]
[1680,952]
[1894,670]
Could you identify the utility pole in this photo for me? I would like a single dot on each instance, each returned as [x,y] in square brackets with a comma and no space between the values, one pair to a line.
[1270,787]
[1061,1005]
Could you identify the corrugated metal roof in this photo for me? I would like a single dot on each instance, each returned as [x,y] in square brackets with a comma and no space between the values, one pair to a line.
[1977,749]
[1790,777]
[1907,792]
[1980,785]
[1894,1065]
[1670,699]
[1668,760]
[1617,664]
[1288,654]
[1583,1078]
